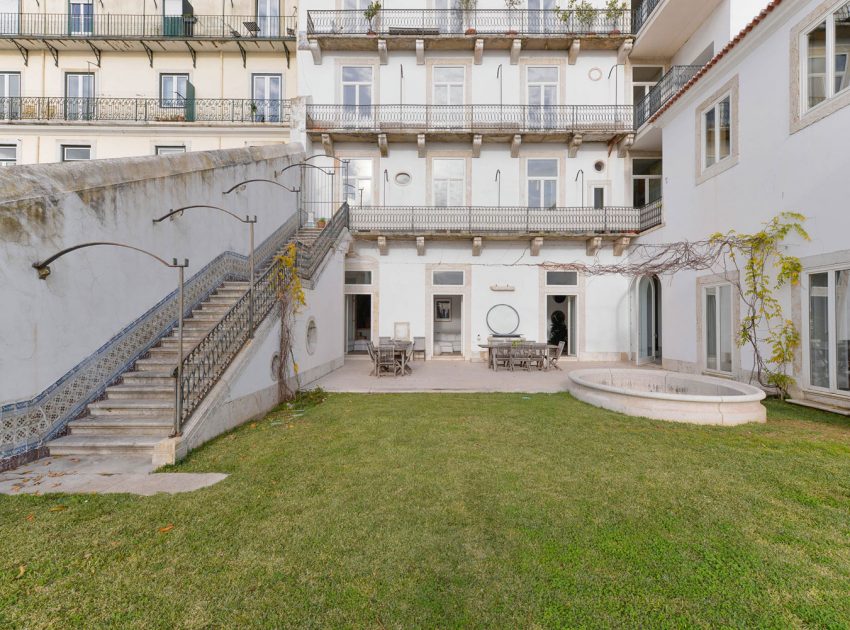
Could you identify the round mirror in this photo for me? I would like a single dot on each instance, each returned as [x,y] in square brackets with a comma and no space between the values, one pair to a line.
[502,319]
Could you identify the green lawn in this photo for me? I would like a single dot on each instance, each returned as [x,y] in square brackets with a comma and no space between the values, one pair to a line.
[457,510]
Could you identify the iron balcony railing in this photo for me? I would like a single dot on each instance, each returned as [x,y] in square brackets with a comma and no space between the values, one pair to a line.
[204,364]
[504,220]
[420,22]
[469,118]
[70,109]
[663,91]
[640,15]
[155,26]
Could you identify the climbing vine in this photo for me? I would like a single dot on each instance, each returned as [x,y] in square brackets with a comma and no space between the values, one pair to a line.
[290,295]
[772,337]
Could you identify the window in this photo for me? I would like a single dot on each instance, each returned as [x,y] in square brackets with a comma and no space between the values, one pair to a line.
[358,277]
[268,18]
[357,182]
[448,278]
[79,96]
[448,85]
[10,95]
[644,79]
[561,278]
[168,150]
[267,94]
[717,132]
[80,17]
[449,182]
[542,177]
[173,90]
[827,47]
[646,181]
[542,95]
[717,305]
[829,318]
[76,152]
[357,90]
[8,154]
[9,17]
[598,197]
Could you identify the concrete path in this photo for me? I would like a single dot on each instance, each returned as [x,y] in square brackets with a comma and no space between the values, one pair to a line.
[100,474]
[447,375]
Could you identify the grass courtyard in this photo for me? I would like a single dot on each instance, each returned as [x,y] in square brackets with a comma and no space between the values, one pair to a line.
[491,510]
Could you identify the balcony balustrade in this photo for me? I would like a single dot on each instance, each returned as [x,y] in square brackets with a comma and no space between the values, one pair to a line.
[147,110]
[155,26]
[663,91]
[642,12]
[597,122]
[344,27]
[503,220]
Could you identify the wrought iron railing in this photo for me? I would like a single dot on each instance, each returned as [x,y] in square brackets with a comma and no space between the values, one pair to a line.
[504,220]
[640,15]
[470,118]
[204,364]
[501,22]
[155,26]
[83,109]
[29,423]
[663,91]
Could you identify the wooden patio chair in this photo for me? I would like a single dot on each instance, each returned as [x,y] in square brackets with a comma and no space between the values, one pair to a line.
[502,356]
[553,360]
[386,362]
[537,357]
[418,347]
[370,348]
[520,356]
[382,341]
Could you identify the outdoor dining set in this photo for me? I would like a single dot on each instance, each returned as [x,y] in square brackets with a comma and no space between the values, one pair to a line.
[523,355]
[394,356]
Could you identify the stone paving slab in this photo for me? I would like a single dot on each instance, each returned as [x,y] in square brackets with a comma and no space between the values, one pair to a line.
[100,474]
[447,375]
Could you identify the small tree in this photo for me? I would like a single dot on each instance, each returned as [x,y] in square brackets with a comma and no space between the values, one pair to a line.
[511,6]
[371,11]
[763,324]
[614,11]
[466,6]
[290,295]
[582,10]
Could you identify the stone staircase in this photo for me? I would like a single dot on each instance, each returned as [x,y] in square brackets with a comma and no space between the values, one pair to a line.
[139,412]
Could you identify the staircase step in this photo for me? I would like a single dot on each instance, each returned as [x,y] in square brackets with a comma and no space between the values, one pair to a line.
[222,299]
[103,444]
[126,427]
[155,365]
[233,293]
[140,392]
[234,284]
[133,408]
[152,379]
[167,353]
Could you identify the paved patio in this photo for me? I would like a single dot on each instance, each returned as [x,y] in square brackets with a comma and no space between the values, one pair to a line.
[451,375]
[101,474]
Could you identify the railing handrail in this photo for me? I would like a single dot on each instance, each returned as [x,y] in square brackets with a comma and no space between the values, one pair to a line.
[458,21]
[107,25]
[672,81]
[144,109]
[642,13]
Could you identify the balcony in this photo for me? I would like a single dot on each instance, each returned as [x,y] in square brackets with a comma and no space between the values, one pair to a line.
[36,109]
[455,123]
[455,29]
[60,31]
[675,79]
[505,222]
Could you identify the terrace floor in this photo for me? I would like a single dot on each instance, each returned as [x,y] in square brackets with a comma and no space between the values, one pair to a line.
[453,375]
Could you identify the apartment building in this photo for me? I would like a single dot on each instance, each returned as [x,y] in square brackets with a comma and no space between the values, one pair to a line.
[757,132]
[86,79]
[483,143]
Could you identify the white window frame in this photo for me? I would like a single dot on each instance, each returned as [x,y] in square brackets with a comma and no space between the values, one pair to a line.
[81,17]
[832,329]
[448,180]
[646,85]
[353,195]
[542,179]
[704,289]
[7,161]
[9,108]
[357,105]
[174,96]
[455,285]
[715,109]
[646,179]
[169,149]
[703,172]
[64,152]
[829,54]
[448,84]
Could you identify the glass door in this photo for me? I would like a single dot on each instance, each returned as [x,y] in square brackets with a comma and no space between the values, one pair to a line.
[829,331]
[357,95]
[542,96]
[648,320]
[79,96]
[541,16]
[542,178]
[268,18]
[267,97]
[447,98]
[81,17]
[10,95]
[9,17]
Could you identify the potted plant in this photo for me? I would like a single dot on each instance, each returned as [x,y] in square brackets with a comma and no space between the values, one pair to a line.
[581,10]
[512,5]
[614,12]
[370,12]
[321,223]
[466,6]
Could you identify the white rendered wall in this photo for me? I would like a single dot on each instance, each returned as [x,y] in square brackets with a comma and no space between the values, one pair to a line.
[51,325]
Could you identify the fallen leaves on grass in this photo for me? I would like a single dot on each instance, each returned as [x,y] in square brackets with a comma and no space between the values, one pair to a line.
[58,508]
[21,570]
[166,529]
[30,517]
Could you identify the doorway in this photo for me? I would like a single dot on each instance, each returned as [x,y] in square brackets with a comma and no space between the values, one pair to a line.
[649,320]
[561,322]
[448,325]
[358,323]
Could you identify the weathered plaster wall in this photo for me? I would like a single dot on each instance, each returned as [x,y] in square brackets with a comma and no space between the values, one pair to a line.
[48,326]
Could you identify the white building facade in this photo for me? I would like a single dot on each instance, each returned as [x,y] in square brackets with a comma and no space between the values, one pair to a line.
[87,79]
